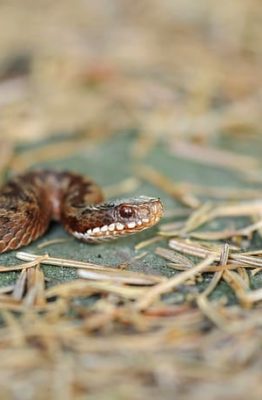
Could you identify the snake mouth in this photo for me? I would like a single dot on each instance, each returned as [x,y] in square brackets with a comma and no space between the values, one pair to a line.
[140,221]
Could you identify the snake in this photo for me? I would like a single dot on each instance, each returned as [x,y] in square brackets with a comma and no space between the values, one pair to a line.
[31,200]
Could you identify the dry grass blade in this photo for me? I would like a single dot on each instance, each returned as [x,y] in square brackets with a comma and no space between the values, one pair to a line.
[208,213]
[244,275]
[224,254]
[9,303]
[238,285]
[7,289]
[171,228]
[58,261]
[129,185]
[147,242]
[248,208]
[126,292]
[218,275]
[255,271]
[83,288]
[75,288]
[14,327]
[35,288]
[30,287]
[142,146]
[61,262]
[197,218]
[205,306]
[194,249]
[218,235]
[32,263]
[215,235]
[221,192]
[49,152]
[176,258]
[114,277]
[246,260]
[162,182]
[20,286]
[253,252]
[52,242]
[256,220]
[214,156]
[254,296]
[152,294]
[182,263]
[211,312]
[212,268]
[6,153]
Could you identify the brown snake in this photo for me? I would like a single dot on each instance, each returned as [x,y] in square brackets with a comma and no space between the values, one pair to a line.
[30,201]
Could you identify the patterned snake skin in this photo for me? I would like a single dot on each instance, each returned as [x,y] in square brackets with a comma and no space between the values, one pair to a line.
[30,201]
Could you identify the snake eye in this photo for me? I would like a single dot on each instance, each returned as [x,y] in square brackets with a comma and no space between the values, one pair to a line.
[126,212]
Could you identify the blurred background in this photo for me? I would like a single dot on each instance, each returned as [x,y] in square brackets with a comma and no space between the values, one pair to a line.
[166,69]
[151,97]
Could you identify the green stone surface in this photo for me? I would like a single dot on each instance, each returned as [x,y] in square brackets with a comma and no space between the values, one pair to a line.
[110,163]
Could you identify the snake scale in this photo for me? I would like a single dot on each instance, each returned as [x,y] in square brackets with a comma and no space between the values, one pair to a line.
[29,201]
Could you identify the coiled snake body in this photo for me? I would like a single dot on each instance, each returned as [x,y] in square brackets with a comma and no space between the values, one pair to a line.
[30,201]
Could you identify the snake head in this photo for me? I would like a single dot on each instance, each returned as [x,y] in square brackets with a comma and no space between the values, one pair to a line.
[120,218]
